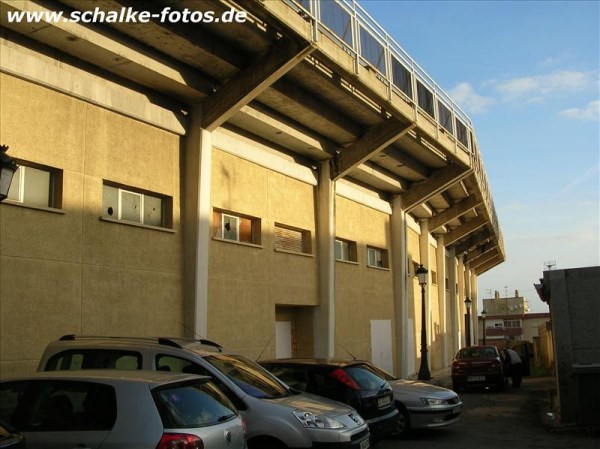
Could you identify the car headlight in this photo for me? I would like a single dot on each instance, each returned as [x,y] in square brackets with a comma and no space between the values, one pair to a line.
[312,421]
[433,401]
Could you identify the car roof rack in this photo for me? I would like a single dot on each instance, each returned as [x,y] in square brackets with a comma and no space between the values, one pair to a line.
[175,342]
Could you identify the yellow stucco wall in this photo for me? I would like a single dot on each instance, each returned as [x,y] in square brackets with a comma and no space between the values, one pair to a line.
[68,271]
[362,293]
[247,282]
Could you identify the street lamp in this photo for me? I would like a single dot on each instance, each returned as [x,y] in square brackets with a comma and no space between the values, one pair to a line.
[424,373]
[468,326]
[8,167]
[483,315]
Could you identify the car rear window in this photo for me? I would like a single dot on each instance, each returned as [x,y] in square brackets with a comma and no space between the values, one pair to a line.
[365,378]
[58,405]
[477,353]
[191,405]
[73,359]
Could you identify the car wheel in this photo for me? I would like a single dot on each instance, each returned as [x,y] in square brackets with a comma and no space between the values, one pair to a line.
[403,424]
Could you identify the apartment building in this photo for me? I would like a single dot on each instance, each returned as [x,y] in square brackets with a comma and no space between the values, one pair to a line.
[272,184]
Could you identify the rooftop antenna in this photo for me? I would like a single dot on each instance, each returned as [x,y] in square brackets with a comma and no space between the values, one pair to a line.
[549,264]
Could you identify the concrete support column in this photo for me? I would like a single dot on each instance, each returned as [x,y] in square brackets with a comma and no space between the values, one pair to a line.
[400,281]
[324,316]
[196,225]
[474,306]
[441,273]
[453,302]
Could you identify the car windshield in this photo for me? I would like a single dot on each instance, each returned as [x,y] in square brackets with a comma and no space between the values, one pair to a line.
[365,378]
[477,353]
[249,376]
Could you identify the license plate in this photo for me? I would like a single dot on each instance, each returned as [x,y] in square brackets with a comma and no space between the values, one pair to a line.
[382,402]
[365,444]
[476,378]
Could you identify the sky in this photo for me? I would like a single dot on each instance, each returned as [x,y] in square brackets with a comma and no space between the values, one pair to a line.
[528,75]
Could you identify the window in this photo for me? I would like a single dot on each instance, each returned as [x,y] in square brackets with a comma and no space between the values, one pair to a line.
[292,239]
[377,257]
[136,206]
[425,99]
[345,250]
[461,133]
[337,20]
[36,185]
[401,77]
[58,406]
[512,324]
[94,359]
[434,277]
[236,227]
[445,117]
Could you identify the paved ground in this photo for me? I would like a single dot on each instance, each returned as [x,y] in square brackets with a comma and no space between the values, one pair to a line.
[514,419]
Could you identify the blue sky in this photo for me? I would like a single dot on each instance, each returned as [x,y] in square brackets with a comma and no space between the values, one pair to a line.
[527,73]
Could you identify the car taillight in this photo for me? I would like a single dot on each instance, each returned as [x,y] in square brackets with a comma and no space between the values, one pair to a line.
[180,441]
[343,377]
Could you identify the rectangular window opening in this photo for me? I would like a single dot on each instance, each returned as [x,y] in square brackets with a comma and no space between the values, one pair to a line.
[236,227]
[345,250]
[36,185]
[133,205]
[292,239]
[377,257]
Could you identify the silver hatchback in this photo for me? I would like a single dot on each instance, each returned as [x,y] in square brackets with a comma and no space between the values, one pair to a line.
[111,409]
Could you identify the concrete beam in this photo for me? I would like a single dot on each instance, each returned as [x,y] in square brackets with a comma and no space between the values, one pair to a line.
[473,241]
[455,211]
[436,183]
[484,258]
[477,252]
[128,59]
[467,228]
[489,265]
[407,162]
[247,84]
[371,143]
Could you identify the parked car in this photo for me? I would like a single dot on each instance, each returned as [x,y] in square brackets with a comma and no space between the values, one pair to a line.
[477,366]
[351,382]
[421,405]
[276,416]
[116,409]
[10,438]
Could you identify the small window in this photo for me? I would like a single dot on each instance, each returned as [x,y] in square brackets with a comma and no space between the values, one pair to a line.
[425,99]
[136,206]
[401,77]
[36,185]
[445,117]
[377,257]
[292,239]
[434,277]
[345,250]
[236,227]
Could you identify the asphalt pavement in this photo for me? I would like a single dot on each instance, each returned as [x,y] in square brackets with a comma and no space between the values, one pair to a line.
[517,418]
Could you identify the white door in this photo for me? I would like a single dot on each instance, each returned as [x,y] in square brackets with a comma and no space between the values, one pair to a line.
[381,344]
[283,339]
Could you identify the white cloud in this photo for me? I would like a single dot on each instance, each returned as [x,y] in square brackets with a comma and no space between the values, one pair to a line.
[466,97]
[589,112]
[537,88]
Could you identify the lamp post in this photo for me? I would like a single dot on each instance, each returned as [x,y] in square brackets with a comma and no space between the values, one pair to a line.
[424,373]
[8,167]
[468,324]
[483,315]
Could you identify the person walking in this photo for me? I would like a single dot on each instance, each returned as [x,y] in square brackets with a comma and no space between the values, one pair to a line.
[514,364]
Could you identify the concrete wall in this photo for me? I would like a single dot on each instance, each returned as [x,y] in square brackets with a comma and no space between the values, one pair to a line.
[66,271]
[574,297]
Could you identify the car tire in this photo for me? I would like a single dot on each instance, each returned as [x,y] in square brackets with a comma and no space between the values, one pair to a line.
[403,425]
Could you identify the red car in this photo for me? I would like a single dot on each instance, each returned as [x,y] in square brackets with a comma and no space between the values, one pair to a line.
[477,366]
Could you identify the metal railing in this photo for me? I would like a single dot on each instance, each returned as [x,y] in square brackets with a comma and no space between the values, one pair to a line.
[357,33]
